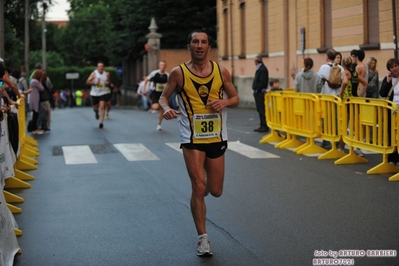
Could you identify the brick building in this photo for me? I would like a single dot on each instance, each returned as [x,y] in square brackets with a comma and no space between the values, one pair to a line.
[273,28]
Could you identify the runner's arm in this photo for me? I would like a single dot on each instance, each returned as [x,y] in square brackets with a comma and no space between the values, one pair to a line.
[232,97]
[174,83]
[90,81]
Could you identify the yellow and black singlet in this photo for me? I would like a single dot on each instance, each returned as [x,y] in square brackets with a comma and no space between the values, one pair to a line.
[198,123]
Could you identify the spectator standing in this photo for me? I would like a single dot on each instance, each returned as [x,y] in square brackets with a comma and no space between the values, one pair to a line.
[346,90]
[373,80]
[79,100]
[324,74]
[360,67]
[307,80]
[45,107]
[390,89]
[338,58]
[34,103]
[259,86]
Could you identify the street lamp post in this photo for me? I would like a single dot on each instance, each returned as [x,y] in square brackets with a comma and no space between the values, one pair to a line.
[44,37]
[2,28]
[27,16]
[26,55]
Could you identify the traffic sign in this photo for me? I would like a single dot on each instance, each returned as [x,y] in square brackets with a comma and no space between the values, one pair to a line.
[72,75]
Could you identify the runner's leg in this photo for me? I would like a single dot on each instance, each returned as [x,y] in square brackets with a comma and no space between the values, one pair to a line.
[195,160]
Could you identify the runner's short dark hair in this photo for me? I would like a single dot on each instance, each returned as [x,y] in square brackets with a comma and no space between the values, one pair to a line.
[190,36]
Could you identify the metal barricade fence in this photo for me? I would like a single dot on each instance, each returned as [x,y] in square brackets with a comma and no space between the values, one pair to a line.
[331,121]
[274,116]
[369,124]
[301,117]
[364,123]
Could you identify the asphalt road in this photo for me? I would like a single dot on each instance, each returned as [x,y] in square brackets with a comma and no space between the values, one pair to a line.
[274,211]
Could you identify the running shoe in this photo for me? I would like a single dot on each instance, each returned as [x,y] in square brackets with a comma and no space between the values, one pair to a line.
[359,152]
[107,116]
[101,125]
[204,246]
[97,116]
[159,127]
[38,132]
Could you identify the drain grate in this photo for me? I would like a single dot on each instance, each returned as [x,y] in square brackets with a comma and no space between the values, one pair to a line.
[95,148]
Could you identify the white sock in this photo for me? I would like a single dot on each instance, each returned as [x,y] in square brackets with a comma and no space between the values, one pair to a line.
[201,236]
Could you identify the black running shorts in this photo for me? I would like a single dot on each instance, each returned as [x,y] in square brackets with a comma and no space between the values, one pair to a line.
[212,150]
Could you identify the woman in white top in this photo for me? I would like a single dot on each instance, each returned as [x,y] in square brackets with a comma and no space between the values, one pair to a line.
[391,81]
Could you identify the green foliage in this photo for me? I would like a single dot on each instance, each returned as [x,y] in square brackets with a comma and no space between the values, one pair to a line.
[53,58]
[87,37]
[105,30]
[13,47]
[58,76]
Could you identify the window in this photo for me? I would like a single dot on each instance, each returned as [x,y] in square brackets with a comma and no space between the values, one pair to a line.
[371,25]
[225,34]
[264,28]
[242,29]
[326,26]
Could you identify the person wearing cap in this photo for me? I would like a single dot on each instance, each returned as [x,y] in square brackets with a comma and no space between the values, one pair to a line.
[259,86]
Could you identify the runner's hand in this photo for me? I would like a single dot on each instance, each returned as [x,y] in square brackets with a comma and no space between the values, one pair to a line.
[170,114]
[216,105]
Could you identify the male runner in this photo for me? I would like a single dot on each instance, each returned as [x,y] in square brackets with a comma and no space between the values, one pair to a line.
[99,80]
[205,90]
[159,78]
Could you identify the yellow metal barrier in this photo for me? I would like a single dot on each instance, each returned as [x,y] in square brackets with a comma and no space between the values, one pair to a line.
[331,123]
[396,119]
[274,115]
[301,118]
[27,148]
[368,124]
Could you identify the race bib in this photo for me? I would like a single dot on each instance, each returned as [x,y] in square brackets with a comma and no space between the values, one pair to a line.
[100,87]
[206,125]
[159,87]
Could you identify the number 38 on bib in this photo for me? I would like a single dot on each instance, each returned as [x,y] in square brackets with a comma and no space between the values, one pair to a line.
[206,125]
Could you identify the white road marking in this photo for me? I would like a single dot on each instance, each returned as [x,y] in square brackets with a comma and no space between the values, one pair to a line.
[175,146]
[135,152]
[249,151]
[78,155]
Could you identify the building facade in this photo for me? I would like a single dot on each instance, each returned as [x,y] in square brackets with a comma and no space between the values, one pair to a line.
[286,31]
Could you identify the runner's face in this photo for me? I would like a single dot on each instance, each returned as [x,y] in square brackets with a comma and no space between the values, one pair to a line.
[199,45]
[162,66]
[100,67]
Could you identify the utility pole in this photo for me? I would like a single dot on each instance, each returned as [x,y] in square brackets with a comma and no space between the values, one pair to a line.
[44,36]
[395,35]
[2,28]
[26,54]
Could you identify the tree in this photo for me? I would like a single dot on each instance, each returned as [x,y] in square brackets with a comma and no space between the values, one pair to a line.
[134,20]
[87,38]
[131,19]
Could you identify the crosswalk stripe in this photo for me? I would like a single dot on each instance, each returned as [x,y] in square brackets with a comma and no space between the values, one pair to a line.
[238,147]
[78,155]
[135,152]
[249,151]
[174,145]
